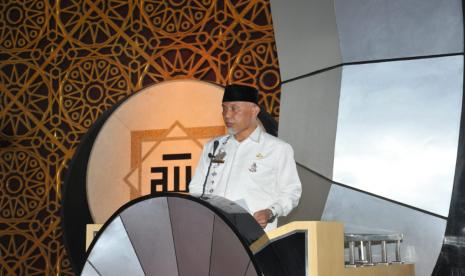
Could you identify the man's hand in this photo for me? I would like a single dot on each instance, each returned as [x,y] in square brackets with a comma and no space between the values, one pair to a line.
[262,217]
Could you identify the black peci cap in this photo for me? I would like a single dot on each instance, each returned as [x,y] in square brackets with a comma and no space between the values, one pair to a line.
[240,93]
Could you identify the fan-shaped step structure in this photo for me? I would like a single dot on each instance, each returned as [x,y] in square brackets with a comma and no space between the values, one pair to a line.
[178,235]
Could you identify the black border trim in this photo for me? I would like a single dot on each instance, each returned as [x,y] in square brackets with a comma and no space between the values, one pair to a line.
[450,260]
[319,71]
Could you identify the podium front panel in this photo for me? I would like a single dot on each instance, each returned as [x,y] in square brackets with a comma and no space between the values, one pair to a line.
[173,234]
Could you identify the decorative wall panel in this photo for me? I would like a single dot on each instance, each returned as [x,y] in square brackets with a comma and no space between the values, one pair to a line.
[309,112]
[398,119]
[386,29]
[63,63]
[398,129]
[306,36]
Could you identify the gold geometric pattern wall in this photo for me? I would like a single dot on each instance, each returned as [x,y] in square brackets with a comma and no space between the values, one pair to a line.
[63,63]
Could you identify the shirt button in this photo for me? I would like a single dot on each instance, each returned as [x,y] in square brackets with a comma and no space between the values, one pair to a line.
[211,190]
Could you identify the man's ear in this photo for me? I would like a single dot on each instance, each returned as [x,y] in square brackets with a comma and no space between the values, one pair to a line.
[256,109]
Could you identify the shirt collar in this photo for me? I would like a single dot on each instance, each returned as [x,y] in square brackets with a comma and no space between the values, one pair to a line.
[254,136]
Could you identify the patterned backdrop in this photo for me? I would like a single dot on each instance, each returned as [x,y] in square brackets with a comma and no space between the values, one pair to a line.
[63,63]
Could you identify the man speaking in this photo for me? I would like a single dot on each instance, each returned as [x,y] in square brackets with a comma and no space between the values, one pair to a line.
[248,165]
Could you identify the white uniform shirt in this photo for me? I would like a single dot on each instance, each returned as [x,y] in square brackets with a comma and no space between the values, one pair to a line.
[260,171]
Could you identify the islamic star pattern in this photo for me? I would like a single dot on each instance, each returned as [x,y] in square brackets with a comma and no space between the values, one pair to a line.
[63,63]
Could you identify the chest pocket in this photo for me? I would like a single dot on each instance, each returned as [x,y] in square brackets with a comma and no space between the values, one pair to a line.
[262,174]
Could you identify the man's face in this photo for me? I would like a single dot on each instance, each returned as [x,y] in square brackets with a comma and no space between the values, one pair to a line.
[239,116]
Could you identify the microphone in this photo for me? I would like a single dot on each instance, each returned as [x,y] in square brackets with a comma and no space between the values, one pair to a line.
[211,156]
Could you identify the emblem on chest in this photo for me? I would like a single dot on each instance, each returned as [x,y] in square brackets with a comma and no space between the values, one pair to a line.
[219,157]
[253,168]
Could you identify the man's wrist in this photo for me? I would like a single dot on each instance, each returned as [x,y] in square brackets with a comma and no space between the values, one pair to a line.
[271,215]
